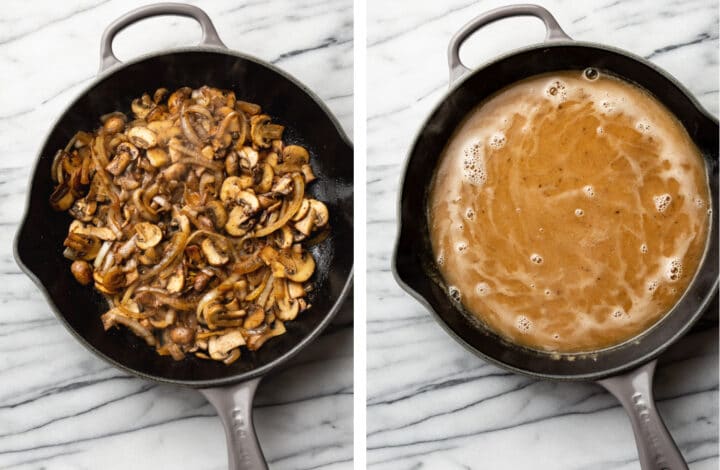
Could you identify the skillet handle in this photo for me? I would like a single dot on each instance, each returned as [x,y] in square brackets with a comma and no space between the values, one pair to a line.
[209,33]
[554,32]
[656,448]
[234,406]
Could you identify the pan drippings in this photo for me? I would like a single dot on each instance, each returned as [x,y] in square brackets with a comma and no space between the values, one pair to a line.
[569,212]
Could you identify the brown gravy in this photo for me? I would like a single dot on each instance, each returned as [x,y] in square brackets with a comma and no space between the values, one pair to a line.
[569,214]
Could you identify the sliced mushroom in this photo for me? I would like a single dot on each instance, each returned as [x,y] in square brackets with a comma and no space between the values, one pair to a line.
[285,237]
[235,225]
[272,159]
[62,198]
[231,164]
[302,212]
[233,186]
[298,266]
[175,172]
[127,148]
[263,132]
[220,346]
[296,290]
[248,158]
[283,185]
[212,254]
[266,181]
[114,123]
[208,152]
[83,209]
[175,100]
[158,113]
[174,147]
[255,318]
[164,130]
[321,213]
[248,108]
[157,157]
[206,187]
[142,137]
[307,173]
[118,164]
[306,224]
[249,202]
[142,106]
[176,282]
[103,233]
[159,94]
[216,212]
[148,235]
[268,254]
[288,309]
[295,155]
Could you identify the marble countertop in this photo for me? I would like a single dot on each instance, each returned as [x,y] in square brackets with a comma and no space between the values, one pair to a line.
[432,404]
[61,407]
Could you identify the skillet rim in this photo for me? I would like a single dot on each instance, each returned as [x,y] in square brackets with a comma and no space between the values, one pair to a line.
[398,251]
[232,379]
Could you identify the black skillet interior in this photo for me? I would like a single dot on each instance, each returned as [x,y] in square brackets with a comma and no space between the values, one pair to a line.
[414,264]
[39,241]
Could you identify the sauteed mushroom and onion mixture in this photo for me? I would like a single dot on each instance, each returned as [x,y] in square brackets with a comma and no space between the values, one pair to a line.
[192,218]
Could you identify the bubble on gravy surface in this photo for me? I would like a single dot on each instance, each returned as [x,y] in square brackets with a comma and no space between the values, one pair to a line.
[589,212]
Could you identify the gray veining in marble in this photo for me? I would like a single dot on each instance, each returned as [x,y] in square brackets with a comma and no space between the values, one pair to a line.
[432,404]
[60,407]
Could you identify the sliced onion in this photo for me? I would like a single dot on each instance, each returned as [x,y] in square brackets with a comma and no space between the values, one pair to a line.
[101,254]
[187,128]
[292,208]
[112,318]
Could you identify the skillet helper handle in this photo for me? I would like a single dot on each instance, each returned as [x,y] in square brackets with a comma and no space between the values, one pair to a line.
[209,33]
[656,448]
[234,406]
[554,32]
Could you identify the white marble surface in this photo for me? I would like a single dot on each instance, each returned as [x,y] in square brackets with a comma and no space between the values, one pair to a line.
[60,407]
[433,405]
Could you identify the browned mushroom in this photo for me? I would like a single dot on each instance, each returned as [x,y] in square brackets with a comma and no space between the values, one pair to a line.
[142,106]
[148,235]
[114,123]
[263,132]
[82,272]
[213,256]
[288,309]
[295,290]
[157,157]
[298,266]
[216,212]
[142,137]
[220,346]
[61,199]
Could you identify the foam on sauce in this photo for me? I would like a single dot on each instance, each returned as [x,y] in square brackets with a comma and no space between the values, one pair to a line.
[584,206]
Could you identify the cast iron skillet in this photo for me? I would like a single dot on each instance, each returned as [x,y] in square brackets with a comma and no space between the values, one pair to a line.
[625,370]
[38,244]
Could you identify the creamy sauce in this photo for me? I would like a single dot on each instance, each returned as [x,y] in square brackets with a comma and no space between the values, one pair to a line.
[569,214]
